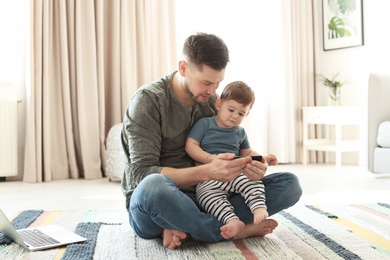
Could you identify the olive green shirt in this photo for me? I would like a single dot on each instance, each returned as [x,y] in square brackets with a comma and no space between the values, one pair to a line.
[155,129]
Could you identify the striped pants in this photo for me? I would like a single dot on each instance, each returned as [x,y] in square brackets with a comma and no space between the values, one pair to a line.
[213,196]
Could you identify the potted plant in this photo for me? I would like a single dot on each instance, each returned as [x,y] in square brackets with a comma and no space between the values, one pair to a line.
[334,86]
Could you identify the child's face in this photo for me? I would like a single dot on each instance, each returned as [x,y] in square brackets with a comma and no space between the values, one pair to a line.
[230,113]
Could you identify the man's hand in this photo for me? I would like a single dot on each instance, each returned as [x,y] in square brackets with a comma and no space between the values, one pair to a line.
[256,170]
[224,168]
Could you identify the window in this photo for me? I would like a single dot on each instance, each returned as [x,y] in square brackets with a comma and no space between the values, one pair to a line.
[12,43]
[253,31]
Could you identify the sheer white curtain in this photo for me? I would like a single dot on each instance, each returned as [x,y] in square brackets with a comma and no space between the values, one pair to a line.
[300,71]
[87,59]
[270,44]
[303,67]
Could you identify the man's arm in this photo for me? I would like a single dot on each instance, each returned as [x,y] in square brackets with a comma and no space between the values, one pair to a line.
[222,168]
[141,137]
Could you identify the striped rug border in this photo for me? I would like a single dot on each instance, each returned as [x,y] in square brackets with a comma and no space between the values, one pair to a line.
[357,222]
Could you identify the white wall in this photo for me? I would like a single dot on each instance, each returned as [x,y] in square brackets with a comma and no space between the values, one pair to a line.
[356,64]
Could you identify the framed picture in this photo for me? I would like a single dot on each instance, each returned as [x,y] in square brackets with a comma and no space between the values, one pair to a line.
[342,22]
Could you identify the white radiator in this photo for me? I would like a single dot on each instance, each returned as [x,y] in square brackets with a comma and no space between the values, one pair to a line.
[8,138]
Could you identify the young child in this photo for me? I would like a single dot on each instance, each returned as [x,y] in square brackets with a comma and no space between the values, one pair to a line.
[223,134]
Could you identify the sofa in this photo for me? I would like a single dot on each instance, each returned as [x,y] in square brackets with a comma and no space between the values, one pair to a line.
[379,123]
[115,157]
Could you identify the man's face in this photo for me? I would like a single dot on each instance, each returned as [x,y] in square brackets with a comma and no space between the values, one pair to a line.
[201,84]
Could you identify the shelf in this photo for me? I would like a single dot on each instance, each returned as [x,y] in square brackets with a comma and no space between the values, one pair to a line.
[337,116]
[330,146]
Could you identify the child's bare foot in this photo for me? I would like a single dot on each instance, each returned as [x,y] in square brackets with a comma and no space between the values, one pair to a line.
[257,230]
[173,238]
[231,228]
[259,214]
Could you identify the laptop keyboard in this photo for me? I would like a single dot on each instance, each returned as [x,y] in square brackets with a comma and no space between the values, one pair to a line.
[37,238]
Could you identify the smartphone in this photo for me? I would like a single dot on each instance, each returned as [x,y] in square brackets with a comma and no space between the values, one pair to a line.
[254,157]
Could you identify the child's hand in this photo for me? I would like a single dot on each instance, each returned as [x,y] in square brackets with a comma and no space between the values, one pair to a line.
[211,157]
[271,160]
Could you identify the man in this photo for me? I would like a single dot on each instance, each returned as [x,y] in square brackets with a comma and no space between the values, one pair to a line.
[159,177]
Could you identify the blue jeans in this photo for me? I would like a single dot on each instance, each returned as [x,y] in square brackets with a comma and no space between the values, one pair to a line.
[157,204]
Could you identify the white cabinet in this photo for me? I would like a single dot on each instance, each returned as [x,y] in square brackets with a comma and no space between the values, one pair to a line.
[336,116]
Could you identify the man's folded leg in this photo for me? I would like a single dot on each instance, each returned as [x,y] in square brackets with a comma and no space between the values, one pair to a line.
[157,204]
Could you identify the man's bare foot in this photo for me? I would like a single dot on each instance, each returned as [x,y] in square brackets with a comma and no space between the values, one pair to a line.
[173,238]
[231,228]
[257,230]
[259,214]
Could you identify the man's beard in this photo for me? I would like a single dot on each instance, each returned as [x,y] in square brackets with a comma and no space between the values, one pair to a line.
[190,94]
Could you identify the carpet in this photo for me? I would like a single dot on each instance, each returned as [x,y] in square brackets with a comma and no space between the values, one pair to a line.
[304,232]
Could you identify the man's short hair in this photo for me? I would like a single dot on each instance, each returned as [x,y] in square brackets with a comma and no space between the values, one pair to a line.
[206,49]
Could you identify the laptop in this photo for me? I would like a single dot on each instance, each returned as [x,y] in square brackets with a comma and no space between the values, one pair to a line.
[38,238]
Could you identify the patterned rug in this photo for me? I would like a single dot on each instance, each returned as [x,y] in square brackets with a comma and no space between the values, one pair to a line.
[304,232]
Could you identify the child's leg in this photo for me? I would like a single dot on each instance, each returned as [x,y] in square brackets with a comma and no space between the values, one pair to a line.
[259,214]
[253,193]
[213,198]
[232,228]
